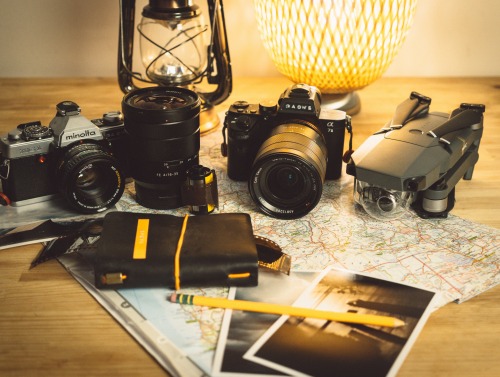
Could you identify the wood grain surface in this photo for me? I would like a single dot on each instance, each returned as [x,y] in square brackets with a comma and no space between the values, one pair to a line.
[49,325]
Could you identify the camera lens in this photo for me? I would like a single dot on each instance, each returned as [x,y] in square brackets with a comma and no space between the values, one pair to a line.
[163,128]
[382,203]
[286,180]
[90,178]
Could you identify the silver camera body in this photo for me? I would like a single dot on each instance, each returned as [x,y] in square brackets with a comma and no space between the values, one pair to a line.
[73,156]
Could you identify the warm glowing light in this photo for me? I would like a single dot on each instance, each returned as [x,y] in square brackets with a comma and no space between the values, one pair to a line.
[337,46]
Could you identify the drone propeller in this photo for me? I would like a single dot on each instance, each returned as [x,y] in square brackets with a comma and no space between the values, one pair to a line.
[470,116]
[408,110]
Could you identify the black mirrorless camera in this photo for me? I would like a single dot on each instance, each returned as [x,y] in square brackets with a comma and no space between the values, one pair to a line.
[286,150]
[73,156]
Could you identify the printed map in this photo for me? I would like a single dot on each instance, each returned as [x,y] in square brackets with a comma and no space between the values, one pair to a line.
[455,257]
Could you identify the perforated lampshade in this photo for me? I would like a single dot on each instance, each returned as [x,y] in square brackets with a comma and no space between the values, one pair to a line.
[338,46]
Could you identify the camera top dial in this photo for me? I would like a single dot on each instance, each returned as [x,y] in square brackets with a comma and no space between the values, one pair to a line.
[35,131]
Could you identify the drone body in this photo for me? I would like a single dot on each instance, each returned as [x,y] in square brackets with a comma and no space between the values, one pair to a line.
[417,159]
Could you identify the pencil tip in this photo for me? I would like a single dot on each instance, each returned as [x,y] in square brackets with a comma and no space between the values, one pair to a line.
[399,323]
[173,297]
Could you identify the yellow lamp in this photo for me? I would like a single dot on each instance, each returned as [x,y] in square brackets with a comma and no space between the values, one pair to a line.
[338,46]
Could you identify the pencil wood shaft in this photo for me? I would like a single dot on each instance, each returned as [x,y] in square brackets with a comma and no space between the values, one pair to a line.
[260,307]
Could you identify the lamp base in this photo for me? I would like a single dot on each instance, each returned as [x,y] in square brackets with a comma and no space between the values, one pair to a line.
[348,102]
[209,120]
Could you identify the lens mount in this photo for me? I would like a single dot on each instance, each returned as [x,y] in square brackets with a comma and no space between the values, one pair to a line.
[90,178]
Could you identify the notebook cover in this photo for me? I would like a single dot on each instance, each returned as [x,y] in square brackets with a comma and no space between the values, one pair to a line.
[138,250]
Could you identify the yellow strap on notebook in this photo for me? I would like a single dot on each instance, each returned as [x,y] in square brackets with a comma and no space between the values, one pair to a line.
[242,275]
[177,260]
[141,239]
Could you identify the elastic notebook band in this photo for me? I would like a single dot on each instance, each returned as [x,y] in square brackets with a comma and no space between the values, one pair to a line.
[177,260]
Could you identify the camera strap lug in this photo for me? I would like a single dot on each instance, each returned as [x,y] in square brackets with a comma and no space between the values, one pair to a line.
[348,126]
[5,167]
[223,146]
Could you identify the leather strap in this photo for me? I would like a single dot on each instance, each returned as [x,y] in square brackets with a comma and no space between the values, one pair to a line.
[177,260]
[271,256]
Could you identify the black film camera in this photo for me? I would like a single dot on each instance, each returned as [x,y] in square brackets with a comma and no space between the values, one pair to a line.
[73,156]
[286,150]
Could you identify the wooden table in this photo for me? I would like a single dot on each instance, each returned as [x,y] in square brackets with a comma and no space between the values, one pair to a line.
[49,325]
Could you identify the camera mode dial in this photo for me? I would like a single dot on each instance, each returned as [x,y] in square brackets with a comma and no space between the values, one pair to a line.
[112,117]
[268,106]
[244,122]
[35,131]
[240,106]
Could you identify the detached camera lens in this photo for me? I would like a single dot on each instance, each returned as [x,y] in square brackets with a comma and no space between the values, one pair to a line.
[286,180]
[163,128]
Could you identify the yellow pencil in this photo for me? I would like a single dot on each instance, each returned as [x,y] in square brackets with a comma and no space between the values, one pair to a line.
[261,307]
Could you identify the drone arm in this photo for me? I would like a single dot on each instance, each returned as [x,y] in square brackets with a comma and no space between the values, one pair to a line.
[413,107]
[439,199]
[460,119]
[408,110]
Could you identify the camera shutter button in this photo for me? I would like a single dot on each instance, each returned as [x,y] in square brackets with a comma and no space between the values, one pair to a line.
[14,135]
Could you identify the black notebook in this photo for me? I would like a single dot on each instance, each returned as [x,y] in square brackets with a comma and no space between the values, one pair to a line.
[150,250]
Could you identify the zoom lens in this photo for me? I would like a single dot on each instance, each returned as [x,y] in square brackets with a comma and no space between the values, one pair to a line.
[90,178]
[286,180]
[163,128]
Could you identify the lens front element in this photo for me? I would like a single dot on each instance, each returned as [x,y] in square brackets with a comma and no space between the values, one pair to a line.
[285,181]
[287,176]
[382,203]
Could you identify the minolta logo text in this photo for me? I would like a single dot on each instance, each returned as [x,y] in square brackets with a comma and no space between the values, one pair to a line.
[79,135]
